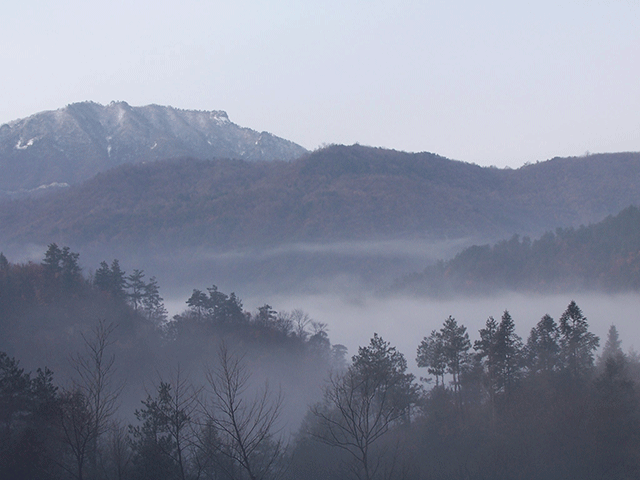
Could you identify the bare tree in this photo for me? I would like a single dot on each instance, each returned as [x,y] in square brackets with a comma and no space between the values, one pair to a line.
[180,415]
[92,401]
[245,427]
[363,403]
[116,460]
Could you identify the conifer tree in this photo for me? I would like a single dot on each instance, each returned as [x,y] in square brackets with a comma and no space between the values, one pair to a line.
[136,288]
[577,342]
[543,348]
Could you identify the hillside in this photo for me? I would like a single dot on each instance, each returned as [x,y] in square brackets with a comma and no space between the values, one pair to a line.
[72,144]
[604,256]
[335,194]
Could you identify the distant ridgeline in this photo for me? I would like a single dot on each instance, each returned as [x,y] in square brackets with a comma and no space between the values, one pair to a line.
[336,194]
[604,256]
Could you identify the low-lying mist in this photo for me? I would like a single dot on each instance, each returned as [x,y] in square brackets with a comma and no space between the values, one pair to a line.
[339,284]
[352,319]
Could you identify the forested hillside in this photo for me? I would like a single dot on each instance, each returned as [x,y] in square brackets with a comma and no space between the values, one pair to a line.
[604,256]
[335,194]
[494,406]
[48,310]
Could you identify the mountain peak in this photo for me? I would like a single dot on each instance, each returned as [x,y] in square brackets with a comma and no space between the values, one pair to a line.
[74,143]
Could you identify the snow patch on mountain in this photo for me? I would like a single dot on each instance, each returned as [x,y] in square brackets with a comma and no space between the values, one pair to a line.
[23,146]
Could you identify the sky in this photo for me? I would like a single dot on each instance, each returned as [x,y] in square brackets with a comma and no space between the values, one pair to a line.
[493,83]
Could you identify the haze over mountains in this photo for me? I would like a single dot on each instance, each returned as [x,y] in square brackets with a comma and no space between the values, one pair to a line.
[158,179]
[74,143]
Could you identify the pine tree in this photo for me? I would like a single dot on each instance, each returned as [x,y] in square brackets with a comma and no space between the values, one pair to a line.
[69,269]
[431,355]
[577,343]
[102,277]
[152,302]
[612,347]
[456,345]
[507,353]
[118,280]
[136,287]
[543,348]
[52,259]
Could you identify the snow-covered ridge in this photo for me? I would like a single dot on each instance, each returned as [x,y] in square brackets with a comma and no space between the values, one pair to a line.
[77,141]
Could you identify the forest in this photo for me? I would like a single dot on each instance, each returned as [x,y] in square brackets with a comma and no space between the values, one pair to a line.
[338,193]
[603,256]
[111,388]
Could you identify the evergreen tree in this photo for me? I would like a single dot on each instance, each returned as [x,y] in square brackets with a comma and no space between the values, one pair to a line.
[507,353]
[456,345]
[578,344]
[136,288]
[363,403]
[28,422]
[111,279]
[266,316]
[155,449]
[615,422]
[216,306]
[69,269]
[4,263]
[486,356]
[102,277]
[199,303]
[613,345]
[543,348]
[118,280]
[52,260]
[152,302]
[431,356]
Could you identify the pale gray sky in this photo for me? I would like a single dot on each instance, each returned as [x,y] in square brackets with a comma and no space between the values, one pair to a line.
[495,83]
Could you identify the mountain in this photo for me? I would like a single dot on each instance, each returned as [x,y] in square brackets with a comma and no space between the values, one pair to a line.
[72,144]
[340,193]
[604,256]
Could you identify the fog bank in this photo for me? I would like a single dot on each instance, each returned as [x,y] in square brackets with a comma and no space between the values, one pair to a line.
[353,318]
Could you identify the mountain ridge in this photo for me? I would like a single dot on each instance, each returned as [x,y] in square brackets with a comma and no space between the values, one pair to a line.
[339,193]
[72,144]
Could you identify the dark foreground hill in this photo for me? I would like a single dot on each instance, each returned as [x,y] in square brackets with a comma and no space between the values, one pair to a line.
[604,256]
[336,194]
[74,143]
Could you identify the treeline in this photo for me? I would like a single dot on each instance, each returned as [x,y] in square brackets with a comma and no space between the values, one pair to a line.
[48,307]
[497,407]
[604,256]
[494,408]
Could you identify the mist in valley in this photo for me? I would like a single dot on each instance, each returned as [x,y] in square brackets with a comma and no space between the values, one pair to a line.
[405,320]
[306,315]
[346,286]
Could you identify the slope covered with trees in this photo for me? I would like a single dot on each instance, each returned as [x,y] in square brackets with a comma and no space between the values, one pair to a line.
[48,310]
[335,194]
[603,256]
